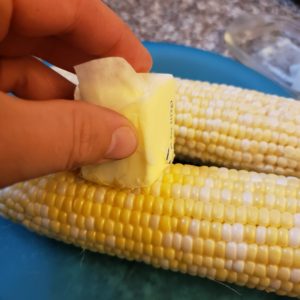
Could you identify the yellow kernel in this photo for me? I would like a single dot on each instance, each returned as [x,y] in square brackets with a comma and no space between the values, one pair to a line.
[207,261]
[297,258]
[135,218]
[157,238]
[271,236]
[178,208]
[284,273]
[252,252]
[147,235]
[215,231]
[125,216]
[220,248]
[118,229]
[120,242]
[283,237]
[249,267]
[204,229]
[165,224]
[105,210]
[252,216]
[169,253]
[80,222]
[249,233]
[198,246]
[65,229]
[219,263]
[286,220]
[129,244]
[108,227]
[138,248]
[128,231]
[272,271]
[275,255]
[96,210]
[262,254]
[91,236]
[158,252]
[54,226]
[137,234]
[197,210]
[99,223]
[183,225]
[209,247]
[287,257]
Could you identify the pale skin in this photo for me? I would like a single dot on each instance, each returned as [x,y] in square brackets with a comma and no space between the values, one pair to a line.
[42,131]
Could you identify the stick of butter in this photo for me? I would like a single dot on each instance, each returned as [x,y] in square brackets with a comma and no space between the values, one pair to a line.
[147,100]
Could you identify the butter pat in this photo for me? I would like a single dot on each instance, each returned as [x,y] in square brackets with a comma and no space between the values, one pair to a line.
[147,100]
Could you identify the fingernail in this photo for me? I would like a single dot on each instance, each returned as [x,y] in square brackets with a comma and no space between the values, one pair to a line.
[123,143]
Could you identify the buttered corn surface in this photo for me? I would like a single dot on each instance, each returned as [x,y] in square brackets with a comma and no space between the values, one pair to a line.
[235,226]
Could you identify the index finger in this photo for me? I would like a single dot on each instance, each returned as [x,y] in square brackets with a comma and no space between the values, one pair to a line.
[89,26]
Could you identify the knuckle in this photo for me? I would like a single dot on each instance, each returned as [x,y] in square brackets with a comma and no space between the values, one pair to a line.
[83,136]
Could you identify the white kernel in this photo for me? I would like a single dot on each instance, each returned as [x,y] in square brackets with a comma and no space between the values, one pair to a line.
[270,200]
[237,232]
[209,182]
[261,232]
[187,243]
[242,251]
[295,275]
[195,193]
[238,266]
[226,232]
[74,232]
[99,195]
[204,194]
[294,237]
[275,284]
[45,223]
[231,251]
[247,198]
[185,191]
[167,240]
[297,220]
[225,195]
[245,145]
[164,263]
[177,239]
[176,190]
[228,264]
[281,181]
[194,227]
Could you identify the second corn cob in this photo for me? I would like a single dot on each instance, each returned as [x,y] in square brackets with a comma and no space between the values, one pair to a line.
[228,225]
[238,128]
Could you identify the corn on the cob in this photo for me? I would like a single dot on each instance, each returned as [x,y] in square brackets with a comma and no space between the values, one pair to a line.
[235,226]
[237,128]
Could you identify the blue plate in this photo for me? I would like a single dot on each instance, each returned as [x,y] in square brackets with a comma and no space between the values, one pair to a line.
[35,267]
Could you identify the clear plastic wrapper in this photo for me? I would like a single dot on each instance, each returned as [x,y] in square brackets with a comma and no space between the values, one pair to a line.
[269,45]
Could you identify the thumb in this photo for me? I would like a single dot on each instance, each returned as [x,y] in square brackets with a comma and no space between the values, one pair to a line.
[42,137]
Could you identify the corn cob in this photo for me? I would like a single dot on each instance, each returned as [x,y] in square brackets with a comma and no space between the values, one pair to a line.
[228,225]
[233,127]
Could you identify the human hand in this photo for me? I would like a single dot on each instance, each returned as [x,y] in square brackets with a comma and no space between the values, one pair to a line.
[40,137]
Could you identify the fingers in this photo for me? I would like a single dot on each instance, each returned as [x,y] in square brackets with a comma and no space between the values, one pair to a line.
[28,78]
[50,136]
[89,26]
